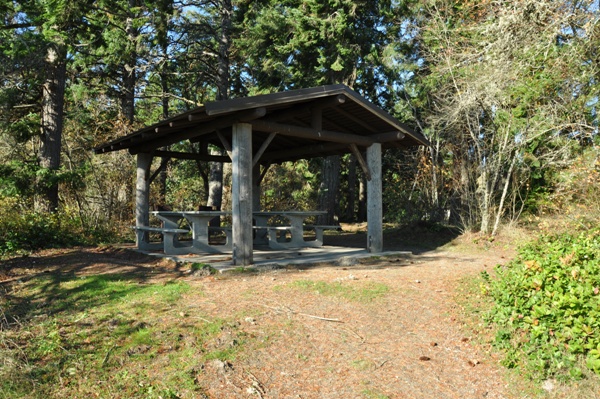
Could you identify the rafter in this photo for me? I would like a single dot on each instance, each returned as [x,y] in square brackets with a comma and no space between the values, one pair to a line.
[210,127]
[309,133]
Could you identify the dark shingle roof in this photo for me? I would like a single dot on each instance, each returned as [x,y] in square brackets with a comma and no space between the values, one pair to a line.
[345,118]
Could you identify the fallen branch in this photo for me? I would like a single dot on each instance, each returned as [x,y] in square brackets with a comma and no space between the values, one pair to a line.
[107,355]
[362,339]
[320,318]
[279,309]
[381,364]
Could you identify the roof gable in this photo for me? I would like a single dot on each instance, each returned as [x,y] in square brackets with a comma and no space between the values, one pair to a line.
[303,123]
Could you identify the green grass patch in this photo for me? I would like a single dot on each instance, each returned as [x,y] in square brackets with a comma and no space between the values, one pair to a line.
[362,364]
[243,270]
[547,306]
[203,267]
[359,292]
[373,394]
[107,336]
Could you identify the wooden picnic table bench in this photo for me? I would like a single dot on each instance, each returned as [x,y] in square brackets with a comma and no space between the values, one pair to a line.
[170,244]
[277,236]
[319,229]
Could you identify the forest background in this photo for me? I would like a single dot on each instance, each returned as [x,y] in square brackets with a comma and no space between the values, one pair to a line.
[506,92]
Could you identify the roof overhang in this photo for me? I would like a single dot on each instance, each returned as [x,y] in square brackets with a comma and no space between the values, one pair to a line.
[286,126]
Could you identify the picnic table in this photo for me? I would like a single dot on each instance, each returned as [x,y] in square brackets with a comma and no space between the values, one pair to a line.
[276,235]
[199,224]
[273,235]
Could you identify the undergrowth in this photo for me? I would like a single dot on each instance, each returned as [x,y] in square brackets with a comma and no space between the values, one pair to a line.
[24,231]
[547,306]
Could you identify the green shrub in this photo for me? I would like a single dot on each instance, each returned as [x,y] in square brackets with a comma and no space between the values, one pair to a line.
[24,231]
[31,231]
[547,305]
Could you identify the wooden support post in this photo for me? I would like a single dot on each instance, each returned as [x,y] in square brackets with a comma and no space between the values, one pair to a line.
[241,193]
[142,197]
[374,200]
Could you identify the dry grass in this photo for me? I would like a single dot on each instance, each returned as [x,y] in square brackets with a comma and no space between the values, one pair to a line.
[382,328]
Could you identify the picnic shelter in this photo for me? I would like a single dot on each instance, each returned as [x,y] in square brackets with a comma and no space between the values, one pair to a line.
[262,130]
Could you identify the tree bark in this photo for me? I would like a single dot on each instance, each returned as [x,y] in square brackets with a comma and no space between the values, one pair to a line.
[330,184]
[162,177]
[215,182]
[224,45]
[53,93]
[362,200]
[215,185]
[129,70]
[504,194]
[351,194]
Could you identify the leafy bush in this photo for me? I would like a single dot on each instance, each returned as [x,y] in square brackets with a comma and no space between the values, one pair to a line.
[32,231]
[547,305]
[24,231]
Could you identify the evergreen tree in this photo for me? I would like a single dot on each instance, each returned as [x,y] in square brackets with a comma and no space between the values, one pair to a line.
[295,44]
[38,36]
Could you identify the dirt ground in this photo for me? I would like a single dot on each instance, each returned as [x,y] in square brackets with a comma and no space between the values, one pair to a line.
[411,342]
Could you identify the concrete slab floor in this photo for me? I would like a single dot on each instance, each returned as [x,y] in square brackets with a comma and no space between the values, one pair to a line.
[271,259]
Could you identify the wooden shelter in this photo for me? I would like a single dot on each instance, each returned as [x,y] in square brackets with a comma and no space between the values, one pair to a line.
[268,129]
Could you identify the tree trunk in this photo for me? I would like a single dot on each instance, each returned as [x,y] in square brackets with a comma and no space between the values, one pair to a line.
[215,182]
[362,200]
[504,194]
[129,70]
[351,194]
[224,44]
[162,176]
[53,92]
[330,184]
[215,191]
[485,201]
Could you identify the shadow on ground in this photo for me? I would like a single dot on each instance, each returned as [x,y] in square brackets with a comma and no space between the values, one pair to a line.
[417,238]
[32,286]
[51,269]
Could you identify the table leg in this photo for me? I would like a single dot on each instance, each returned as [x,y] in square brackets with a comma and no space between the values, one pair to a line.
[200,234]
[261,235]
[297,231]
[171,243]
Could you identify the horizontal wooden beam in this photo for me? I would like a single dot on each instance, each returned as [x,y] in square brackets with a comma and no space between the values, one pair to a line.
[191,156]
[311,151]
[298,152]
[171,127]
[388,137]
[309,133]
